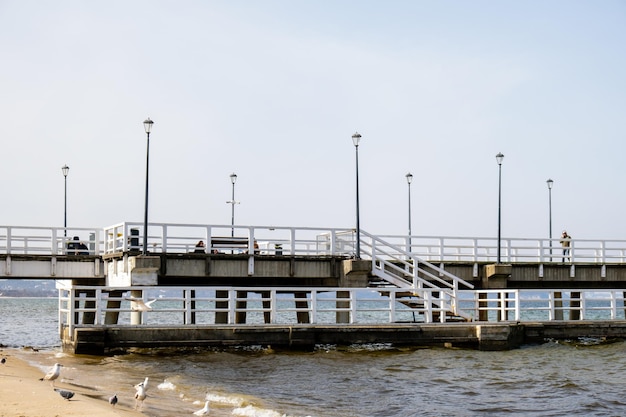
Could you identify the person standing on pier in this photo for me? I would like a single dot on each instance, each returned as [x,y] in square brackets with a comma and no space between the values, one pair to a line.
[565,243]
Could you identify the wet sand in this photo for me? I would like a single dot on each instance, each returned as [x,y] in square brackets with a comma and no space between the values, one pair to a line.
[22,394]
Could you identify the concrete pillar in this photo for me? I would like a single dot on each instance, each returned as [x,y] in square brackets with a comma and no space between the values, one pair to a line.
[343,316]
[112,317]
[558,305]
[495,276]
[89,317]
[135,316]
[574,313]
[303,316]
[483,314]
[267,315]
[240,316]
[221,317]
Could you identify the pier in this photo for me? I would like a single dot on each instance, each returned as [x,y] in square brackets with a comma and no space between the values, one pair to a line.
[300,287]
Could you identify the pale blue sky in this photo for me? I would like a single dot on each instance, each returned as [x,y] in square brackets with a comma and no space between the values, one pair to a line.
[274,90]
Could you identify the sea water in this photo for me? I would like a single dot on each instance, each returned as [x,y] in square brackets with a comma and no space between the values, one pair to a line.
[573,378]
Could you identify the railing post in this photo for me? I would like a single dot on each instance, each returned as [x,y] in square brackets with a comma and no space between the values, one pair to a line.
[313,306]
[72,318]
[98,307]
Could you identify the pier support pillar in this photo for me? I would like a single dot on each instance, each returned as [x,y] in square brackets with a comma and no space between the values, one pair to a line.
[343,316]
[111,317]
[495,276]
[302,316]
[221,317]
[574,303]
[135,316]
[240,316]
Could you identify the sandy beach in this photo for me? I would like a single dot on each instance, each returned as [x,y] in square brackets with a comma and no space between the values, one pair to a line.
[22,394]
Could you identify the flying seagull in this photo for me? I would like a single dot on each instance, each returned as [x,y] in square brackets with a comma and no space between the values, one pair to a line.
[65,394]
[140,305]
[53,374]
[203,411]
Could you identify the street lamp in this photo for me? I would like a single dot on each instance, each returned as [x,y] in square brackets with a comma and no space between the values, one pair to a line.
[355,139]
[550,183]
[409,179]
[65,170]
[232,202]
[147,125]
[499,158]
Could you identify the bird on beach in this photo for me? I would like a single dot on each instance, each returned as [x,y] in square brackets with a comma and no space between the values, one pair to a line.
[140,395]
[113,400]
[3,361]
[53,374]
[64,393]
[140,305]
[203,411]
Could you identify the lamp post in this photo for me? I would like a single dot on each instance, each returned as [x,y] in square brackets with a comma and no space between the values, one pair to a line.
[233,179]
[65,170]
[550,183]
[356,139]
[409,179]
[499,158]
[147,125]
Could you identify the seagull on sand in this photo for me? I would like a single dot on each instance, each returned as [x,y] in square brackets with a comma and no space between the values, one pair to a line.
[65,394]
[3,361]
[140,395]
[203,411]
[53,374]
[140,305]
[113,400]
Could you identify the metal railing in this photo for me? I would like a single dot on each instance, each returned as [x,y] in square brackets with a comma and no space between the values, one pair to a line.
[513,250]
[270,240]
[543,305]
[82,306]
[307,241]
[31,240]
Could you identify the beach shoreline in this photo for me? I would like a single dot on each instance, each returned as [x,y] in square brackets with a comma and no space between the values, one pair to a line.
[22,394]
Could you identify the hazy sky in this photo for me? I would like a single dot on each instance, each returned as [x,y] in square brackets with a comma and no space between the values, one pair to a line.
[274,90]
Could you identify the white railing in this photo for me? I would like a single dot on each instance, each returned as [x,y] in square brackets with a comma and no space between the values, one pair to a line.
[181,238]
[271,240]
[512,250]
[31,240]
[185,306]
[177,305]
[543,305]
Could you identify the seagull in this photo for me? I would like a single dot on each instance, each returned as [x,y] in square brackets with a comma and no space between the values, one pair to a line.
[65,394]
[52,374]
[203,411]
[140,395]
[140,305]
[3,361]
[113,400]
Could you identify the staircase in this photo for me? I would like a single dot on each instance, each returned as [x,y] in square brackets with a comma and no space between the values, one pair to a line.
[430,289]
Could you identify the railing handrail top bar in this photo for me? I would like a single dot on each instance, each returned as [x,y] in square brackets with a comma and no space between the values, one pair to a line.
[229,226]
